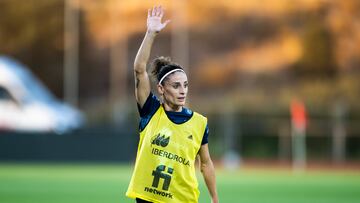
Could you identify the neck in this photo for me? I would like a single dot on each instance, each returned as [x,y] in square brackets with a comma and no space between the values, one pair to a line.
[169,107]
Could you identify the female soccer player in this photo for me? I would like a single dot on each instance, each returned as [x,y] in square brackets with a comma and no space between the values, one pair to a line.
[171,136]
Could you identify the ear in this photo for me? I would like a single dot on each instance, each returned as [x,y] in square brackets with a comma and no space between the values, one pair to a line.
[160,89]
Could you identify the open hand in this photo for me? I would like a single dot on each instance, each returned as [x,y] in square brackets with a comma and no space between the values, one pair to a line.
[154,19]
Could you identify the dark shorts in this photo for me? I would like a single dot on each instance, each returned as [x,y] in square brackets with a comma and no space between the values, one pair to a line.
[141,201]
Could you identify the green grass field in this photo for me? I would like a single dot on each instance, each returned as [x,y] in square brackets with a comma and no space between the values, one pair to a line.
[86,183]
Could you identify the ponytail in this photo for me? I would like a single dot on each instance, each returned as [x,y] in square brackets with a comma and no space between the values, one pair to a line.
[163,65]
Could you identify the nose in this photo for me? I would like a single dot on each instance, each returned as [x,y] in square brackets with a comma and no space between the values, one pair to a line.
[182,90]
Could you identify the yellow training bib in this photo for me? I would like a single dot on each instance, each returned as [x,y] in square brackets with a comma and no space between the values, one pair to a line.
[164,169]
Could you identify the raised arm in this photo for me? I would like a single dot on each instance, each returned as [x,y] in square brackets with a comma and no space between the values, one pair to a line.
[142,80]
[208,171]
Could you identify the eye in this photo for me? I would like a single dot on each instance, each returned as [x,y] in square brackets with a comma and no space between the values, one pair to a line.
[175,86]
[186,85]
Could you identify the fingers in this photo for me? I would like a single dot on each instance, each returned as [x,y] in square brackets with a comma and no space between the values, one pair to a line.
[153,11]
[166,22]
[159,11]
[156,11]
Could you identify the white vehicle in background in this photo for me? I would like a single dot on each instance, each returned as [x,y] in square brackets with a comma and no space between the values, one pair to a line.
[26,105]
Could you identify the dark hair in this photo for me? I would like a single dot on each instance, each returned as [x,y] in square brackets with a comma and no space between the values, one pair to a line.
[162,65]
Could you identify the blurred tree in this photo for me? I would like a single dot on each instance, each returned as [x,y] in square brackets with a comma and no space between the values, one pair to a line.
[32,32]
[318,55]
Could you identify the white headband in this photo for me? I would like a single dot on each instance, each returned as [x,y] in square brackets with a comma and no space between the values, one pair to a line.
[168,73]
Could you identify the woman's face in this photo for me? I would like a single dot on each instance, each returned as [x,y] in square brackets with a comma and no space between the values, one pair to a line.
[174,90]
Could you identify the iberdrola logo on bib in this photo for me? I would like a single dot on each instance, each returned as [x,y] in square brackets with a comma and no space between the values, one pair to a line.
[162,138]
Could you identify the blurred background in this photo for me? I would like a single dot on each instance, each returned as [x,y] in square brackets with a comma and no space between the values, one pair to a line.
[277,79]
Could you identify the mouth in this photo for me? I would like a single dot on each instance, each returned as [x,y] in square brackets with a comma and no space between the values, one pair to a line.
[181,98]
